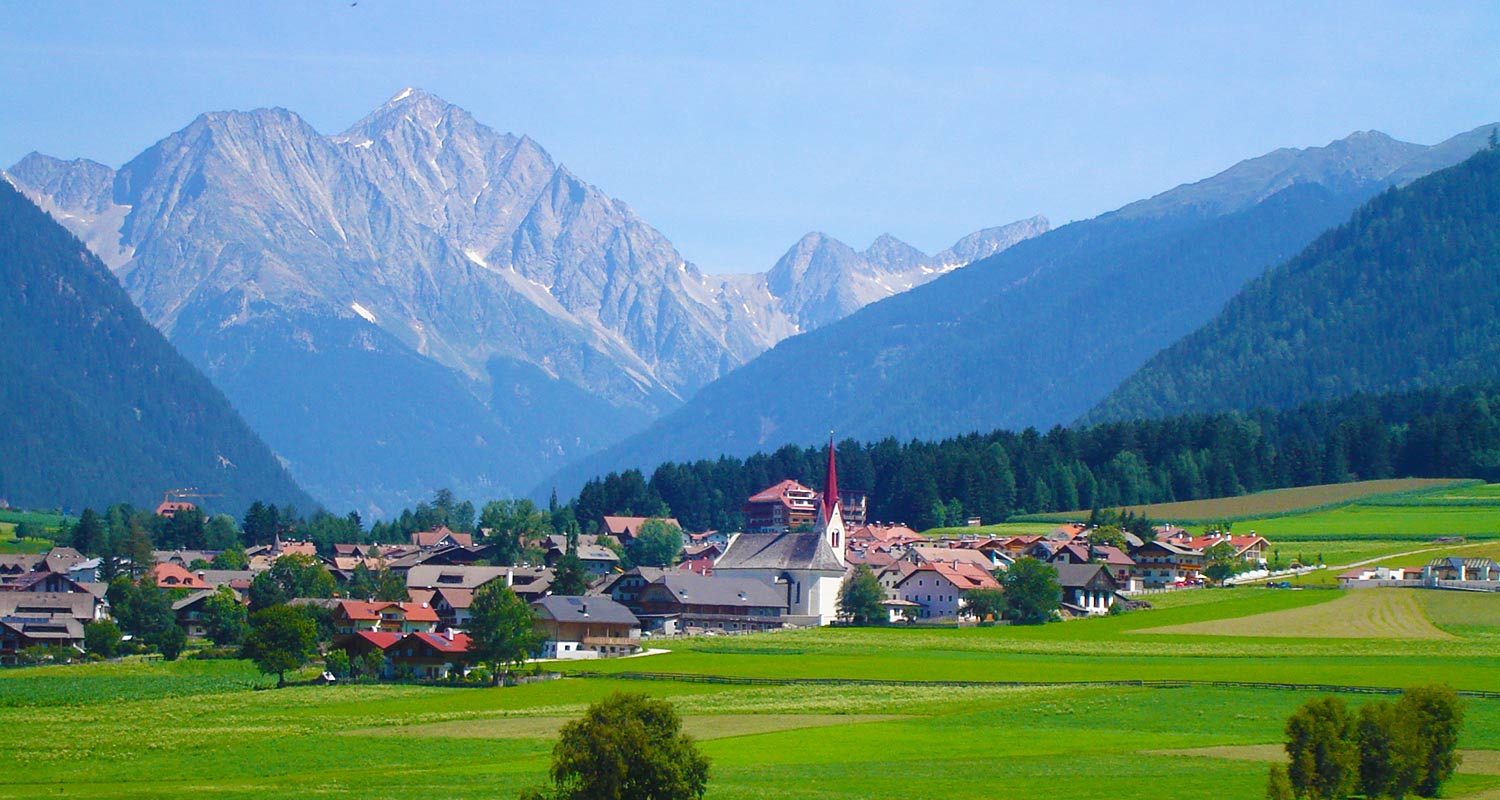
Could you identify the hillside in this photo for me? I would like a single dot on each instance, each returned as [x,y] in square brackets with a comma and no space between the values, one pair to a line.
[424,301]
[1402,296]
[1039,333]
[96,407]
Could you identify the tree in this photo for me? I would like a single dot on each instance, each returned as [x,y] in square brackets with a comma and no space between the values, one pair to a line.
[1387,751]
[1107,536]
[656,544]
[336,663]
[569,576]
[281,638]
[502,627]
[1436,715]
[627,747]
[88,534]
[292,576]
[169,641]
[221,534]
[1278,785]
[232,557]
[1320,748]
[102,638]
[224,619]
[861,597]
[1220,559]
[1031,592]
[985,603]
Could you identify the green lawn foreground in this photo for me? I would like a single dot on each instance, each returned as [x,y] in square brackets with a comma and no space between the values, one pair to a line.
[899,742]
[205,728]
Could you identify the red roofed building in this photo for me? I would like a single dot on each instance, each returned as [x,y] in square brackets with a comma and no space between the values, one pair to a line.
[173,576]
[353,616]
[430,655]
[786,506]
[938,587]
[1249,549]
[624,529]
[169,508]
[441,537]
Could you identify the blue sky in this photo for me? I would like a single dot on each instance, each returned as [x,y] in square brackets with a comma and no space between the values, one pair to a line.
[736,128]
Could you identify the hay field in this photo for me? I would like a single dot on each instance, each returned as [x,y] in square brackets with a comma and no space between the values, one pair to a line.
[1363,614]
[1276,501]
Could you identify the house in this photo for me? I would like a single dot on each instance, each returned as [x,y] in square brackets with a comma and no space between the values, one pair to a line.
[1162,563]
[429,655]
[170,508]
[189,612]
[680,599]
[1453,568]
[1369,576]
[1071,553]
[938,587]
[1247,549]
[710,551]
[173,576]
[1087,589]
[597,559]
[361,643]
[1121,566]
[528,583]
[784,507]
[625,529]
[29,619]
[626,587]
[720,538]
[439,538]
[350,616]
[586,627]
[183,558]
[928,554]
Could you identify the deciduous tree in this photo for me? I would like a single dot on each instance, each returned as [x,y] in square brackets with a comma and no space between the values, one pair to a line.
[626,747]
[1031,592]
[861,597]
[656,544]
[502,627]
[1323,760]
[281,639]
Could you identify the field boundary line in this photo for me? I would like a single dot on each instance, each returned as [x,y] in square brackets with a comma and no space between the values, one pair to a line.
[742,680]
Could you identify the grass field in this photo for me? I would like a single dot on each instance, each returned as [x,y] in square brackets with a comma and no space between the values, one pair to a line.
[193,729]
[1275,502]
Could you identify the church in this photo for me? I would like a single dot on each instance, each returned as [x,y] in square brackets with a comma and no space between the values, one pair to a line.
[807,565]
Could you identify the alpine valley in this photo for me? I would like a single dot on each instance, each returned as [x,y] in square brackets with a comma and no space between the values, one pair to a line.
[422,301]
[1036,335]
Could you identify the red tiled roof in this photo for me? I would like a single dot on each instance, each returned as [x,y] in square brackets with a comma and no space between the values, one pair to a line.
[433,537]
[173,576]
[381,639]
[361,610]
[458,644]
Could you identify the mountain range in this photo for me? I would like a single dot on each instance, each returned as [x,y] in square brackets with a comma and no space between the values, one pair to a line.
[97,407]
[1038,334]
[1401,297]
[422,301]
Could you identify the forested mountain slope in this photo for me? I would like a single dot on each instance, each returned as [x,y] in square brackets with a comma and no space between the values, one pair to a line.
[1404,295]
[95,405]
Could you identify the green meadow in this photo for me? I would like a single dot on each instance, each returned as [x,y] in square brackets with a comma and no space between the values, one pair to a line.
[193,729]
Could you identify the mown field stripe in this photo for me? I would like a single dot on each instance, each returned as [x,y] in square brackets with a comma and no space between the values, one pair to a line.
[740,680]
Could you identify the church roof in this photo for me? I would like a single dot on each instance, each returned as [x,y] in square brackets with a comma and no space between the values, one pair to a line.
[808,551]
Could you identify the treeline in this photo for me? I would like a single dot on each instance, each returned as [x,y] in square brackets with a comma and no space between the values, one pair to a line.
[1450,432]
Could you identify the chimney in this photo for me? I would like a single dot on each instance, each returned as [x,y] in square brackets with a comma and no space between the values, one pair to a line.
[510,577]
[448,634]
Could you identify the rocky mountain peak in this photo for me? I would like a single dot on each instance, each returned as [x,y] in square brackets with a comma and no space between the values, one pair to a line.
[894,255]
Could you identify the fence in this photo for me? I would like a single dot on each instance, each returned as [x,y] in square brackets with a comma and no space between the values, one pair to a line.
[737,680]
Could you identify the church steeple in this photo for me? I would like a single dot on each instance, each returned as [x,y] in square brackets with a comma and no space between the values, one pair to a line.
[829,513]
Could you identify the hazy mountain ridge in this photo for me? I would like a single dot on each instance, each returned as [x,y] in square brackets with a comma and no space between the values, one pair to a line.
[1037,334]
[250,232]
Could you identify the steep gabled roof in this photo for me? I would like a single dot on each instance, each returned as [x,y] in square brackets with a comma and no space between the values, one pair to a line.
[690,588]
[1078,576]
[794,551]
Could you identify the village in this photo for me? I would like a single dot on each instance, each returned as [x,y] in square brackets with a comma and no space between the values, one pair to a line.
[786,570]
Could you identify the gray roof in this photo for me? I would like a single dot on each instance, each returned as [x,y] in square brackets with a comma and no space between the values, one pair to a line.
[716,590]
[566,608]
[193,598]
[1080,575]
[779,551]
[80,605]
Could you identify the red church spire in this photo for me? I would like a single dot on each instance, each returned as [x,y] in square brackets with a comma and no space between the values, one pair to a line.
[830,484]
